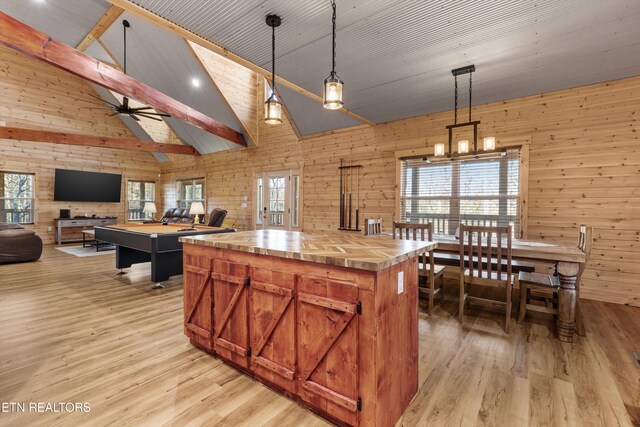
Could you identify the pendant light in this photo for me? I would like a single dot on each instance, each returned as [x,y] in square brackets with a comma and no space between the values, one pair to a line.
[272,106]
[332,93]
[466,148]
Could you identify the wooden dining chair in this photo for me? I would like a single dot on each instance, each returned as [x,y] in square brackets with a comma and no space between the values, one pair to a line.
[539,291]
[372,226]
[478,246]
[428,269]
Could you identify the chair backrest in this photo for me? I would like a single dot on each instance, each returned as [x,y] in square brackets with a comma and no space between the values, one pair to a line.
[372,226]
[217,217]
[412,231]
[585,241]
[477,242]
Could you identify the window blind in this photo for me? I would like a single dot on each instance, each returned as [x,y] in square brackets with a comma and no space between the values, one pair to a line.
[472,192]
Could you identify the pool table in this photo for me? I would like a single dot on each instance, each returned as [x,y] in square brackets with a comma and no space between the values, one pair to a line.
[155,242]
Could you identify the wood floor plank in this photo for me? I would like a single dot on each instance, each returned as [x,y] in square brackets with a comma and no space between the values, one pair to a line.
[73,330]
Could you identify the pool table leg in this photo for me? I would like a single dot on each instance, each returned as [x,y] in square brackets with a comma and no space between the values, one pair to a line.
[165,265]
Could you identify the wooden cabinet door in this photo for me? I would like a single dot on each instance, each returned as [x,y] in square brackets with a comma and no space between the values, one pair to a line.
[327,322]
[272,327]
[198,298]
[230,311]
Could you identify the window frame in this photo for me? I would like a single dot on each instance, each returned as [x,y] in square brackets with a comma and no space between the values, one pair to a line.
[141,181]
[520,143]
[180,182]
[33,210]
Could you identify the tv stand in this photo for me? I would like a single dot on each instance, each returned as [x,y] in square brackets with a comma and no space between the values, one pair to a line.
[79,222]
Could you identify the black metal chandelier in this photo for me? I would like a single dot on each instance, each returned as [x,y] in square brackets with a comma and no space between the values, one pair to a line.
[464,148]
[272,106]
[332,93]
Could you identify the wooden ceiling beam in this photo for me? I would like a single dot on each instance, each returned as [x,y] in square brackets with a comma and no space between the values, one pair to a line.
[101,26]
[34,135]
[23,38]
[188,35]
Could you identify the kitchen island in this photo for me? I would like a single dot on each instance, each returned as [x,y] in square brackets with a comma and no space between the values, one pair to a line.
[328,319]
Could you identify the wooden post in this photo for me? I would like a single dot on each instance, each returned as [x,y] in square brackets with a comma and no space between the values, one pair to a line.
[567,299]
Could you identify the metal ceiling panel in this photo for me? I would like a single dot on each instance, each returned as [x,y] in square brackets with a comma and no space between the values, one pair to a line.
[395,56]
[163,61]
[95,50]
[66,20]
[309,115]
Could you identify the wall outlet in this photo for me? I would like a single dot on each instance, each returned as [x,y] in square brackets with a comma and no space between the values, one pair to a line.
[244,205]
[400,282]
[245,198]
[49,228]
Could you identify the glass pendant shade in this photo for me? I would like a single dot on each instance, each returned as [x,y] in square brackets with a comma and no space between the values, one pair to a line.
[489,143]
[332,94]
[438,150]
[463,146]
[272,111]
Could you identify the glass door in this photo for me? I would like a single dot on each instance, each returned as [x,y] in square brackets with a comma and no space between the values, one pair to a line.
[278,200]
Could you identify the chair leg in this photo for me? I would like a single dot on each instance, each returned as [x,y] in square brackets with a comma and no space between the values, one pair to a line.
[523,302]
[507,320]
[431,291]
[442,288]
[462,301]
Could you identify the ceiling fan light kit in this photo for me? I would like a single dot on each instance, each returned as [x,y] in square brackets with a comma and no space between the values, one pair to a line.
[273,106]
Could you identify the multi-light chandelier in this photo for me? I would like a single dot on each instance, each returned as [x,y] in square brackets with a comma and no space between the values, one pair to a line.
[273,106]
[332,93]
[464,147]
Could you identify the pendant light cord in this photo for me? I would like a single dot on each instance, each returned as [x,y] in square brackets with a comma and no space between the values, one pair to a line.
[124,27]
[273,59]
[455,102]
[333,21]
[470,92]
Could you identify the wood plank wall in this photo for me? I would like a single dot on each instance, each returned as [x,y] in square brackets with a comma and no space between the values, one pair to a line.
[35,95]
[584,168]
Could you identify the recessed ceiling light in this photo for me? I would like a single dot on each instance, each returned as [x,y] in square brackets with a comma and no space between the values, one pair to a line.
[195,82]
[40,1]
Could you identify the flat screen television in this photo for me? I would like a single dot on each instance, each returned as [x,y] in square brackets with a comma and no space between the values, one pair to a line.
[81,186]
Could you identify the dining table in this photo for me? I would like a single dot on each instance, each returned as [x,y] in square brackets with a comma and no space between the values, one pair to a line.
[567,259]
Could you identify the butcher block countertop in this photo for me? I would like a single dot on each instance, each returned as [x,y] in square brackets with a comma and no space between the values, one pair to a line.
[332,248]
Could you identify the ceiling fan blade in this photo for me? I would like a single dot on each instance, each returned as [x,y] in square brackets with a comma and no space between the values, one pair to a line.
[141,108]
[134,117]
[147,116]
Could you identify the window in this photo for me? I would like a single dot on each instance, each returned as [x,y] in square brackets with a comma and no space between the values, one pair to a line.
[472,192]
[138,193]
[16,196]
[189,191]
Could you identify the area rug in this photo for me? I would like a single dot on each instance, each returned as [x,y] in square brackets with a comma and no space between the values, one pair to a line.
[88,251]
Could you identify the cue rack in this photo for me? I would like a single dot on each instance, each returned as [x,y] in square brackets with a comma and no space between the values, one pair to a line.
[349,197]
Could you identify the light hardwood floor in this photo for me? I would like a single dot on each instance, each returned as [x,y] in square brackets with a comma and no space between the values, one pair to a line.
[73,331]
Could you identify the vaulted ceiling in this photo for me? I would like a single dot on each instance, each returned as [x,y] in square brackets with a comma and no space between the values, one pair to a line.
[394,56]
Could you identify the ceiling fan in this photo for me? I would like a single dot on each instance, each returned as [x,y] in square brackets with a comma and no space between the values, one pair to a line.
[123,108]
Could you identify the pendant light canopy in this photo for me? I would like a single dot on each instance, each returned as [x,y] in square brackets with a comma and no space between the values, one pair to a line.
[272,106]
[332,93]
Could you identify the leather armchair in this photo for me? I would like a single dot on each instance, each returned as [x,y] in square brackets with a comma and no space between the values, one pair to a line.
[18,244]
[177,215]
[217,217]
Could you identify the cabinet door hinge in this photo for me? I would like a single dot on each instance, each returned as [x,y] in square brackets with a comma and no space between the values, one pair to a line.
[359,404]
[247,281]
[359,307]
[249,352]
